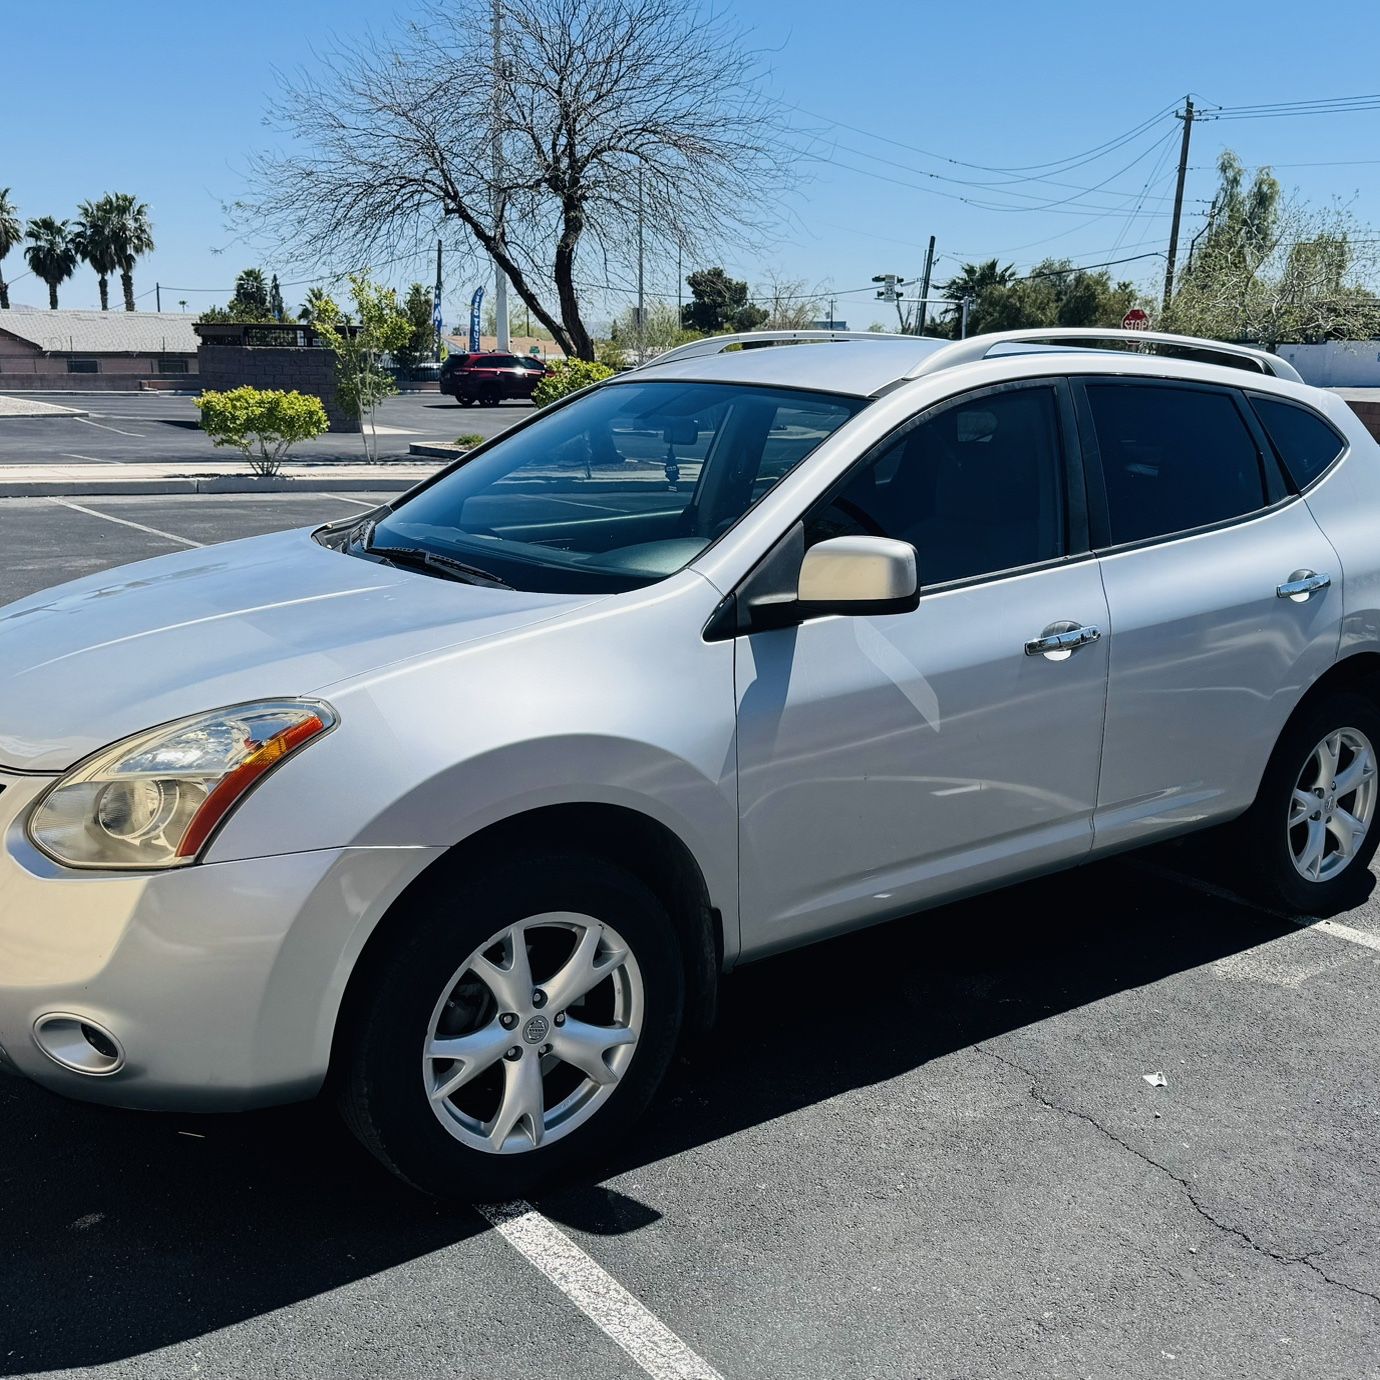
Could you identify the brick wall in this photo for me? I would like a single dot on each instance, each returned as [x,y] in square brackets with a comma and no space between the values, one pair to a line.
[308,369]
[1369,413]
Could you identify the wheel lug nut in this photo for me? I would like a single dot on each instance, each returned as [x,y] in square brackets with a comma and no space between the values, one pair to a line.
[560,1017]
[545,1049]
[538,998]
[507,1020]
[514,1053]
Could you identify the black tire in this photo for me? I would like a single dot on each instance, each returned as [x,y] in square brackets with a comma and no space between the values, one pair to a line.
[1265,863]
[466,400]
[378,1068]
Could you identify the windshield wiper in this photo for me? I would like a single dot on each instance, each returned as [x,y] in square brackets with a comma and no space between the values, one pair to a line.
[446,566]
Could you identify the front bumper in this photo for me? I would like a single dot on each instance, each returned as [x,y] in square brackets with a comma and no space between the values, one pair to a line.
[221,981]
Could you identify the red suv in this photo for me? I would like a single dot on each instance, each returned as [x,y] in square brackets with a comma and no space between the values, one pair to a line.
[489,378]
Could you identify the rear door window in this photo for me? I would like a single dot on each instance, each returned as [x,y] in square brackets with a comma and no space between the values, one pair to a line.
[1173,458]
[1305,443]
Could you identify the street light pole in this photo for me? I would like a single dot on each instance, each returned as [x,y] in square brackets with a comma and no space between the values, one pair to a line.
[641,301]
[500,278]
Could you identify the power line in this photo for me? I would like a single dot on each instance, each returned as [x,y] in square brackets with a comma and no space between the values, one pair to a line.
[1061,164]
[1054,207]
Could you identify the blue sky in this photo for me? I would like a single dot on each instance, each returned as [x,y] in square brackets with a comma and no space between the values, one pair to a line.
[166,101]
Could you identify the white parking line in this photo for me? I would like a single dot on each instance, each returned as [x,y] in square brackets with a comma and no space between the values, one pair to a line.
[94,459]
[1304,922]
[138,435]
[358,502]
[125,522]
[596,1294]
[1366,941]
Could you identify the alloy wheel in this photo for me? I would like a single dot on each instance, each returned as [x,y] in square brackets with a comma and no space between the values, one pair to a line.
[533,1032]
[1332,805]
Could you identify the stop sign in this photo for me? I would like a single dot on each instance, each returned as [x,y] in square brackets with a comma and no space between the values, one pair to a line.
[1135,320]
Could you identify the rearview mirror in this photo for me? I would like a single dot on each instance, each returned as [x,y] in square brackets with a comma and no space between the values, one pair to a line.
[680,431]
[859,575]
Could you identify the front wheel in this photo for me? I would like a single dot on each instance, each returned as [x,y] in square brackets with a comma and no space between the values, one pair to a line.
[1312,831]
[521,1026]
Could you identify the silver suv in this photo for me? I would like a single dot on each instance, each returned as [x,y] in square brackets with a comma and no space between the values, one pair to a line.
[461,809]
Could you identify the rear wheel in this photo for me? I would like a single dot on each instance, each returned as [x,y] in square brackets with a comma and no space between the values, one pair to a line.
[520,1028]
[1312,831]
[465,400]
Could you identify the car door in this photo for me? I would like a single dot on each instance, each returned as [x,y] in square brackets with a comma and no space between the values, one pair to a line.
[887,761]
[1200,544]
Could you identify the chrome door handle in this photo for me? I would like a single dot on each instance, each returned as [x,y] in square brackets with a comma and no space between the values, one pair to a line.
[1062,642]
[1302,585]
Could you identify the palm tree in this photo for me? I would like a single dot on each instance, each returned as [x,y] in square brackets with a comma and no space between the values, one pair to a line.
[251,290]
[51,254]
[132,235]
[316,300]
[94,238]
[11,233]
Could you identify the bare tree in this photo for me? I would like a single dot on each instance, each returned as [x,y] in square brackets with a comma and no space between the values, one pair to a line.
[608,109]
[790,304]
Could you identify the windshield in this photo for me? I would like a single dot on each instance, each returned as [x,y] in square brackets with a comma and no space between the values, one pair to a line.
[616,490]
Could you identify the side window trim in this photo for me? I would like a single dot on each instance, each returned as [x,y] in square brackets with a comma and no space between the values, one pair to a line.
[1073,485]
[1273,483]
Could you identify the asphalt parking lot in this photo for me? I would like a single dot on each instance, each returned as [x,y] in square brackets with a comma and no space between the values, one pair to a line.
[119,428]
[926,1150]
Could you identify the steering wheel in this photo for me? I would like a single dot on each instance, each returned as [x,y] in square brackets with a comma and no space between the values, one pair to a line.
[860,516]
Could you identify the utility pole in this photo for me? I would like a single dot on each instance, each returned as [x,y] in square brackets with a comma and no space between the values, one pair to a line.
[436,304]
[157,297]
[925,289]
[833,307]
[641,299]
[500,279]
[963,331]
[680,290]
[1187,118]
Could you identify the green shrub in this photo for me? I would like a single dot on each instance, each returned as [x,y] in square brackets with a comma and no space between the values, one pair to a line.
[568,376]
[262,422]
[469,438]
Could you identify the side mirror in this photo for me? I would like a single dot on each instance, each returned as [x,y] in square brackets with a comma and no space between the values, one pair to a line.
[859,575]
[844,575]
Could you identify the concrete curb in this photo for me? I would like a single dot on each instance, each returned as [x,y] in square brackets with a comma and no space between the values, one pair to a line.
[437,450]
[217,484]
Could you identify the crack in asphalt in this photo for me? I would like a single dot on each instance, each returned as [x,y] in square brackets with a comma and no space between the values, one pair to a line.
[1306,1260]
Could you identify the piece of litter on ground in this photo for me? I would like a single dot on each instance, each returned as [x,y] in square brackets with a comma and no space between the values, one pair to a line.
[1156,1080]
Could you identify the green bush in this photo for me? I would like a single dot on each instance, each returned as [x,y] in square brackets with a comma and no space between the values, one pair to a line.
[568,376]
[469,438]
[262,422]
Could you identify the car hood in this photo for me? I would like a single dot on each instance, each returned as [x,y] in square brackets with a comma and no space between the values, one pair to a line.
[87,663]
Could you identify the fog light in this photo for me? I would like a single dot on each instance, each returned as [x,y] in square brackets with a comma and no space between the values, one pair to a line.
[79,1044]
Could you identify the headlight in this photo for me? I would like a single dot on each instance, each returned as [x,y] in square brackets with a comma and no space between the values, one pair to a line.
[155,799]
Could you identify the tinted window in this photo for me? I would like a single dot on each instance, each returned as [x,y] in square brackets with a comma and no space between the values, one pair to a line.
[1173,459]
[619,488]
[1305,442]
[976,487]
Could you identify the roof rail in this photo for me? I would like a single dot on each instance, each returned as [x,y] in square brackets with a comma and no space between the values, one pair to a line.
[716,344]
[1206,351]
